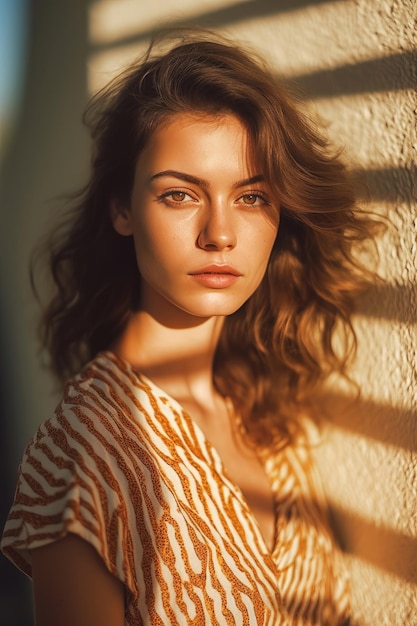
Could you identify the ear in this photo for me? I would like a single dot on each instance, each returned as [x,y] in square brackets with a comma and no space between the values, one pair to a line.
[121,218]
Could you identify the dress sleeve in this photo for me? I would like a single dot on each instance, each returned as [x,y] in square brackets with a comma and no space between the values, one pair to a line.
[69,481]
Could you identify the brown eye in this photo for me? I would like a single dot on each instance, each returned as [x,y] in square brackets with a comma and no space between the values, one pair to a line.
[178,196]
[250,198]
[254,199]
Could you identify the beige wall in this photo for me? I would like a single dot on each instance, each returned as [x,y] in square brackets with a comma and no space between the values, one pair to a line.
[356,60]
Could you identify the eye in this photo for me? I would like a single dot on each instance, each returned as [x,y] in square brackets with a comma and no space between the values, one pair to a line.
[254,199]
[175,196]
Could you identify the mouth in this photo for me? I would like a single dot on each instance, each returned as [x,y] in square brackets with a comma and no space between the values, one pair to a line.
[223,270]
[216,276]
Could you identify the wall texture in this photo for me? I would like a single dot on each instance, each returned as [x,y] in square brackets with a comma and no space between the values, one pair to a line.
[356,61]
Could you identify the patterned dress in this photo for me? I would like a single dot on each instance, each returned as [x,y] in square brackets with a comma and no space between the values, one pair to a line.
[121,465]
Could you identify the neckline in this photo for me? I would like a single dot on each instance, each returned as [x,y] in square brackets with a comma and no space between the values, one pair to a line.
[219,465]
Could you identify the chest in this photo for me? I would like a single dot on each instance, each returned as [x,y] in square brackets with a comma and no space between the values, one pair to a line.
[244,468]
[207,519]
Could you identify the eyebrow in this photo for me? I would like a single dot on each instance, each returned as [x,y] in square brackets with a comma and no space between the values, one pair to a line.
[196,180]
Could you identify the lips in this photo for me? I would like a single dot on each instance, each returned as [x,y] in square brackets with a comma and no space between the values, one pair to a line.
[216,276]
[217,269]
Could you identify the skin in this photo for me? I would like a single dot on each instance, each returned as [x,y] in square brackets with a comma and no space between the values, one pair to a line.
[180,226]
[197,200]
[72,586]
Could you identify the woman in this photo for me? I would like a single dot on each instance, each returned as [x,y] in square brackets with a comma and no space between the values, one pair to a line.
[198,285]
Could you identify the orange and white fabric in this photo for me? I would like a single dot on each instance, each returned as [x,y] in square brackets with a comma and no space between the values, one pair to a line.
[124,467]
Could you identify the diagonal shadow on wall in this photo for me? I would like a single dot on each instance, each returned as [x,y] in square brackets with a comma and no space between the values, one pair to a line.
[394,184]
[382,302]
[390,73]
[220,18]
[384,422]
[376,544]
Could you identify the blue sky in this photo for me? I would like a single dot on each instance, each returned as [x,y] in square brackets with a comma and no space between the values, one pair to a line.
[13,25]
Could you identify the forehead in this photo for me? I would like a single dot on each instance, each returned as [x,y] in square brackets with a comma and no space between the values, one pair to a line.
[199,124]
[199,140]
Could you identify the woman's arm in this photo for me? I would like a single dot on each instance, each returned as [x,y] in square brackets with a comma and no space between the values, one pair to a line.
[72,586]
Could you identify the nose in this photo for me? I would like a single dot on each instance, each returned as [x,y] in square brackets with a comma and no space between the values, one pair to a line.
[217,231]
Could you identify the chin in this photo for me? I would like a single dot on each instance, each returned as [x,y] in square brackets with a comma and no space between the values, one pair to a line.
[214,309]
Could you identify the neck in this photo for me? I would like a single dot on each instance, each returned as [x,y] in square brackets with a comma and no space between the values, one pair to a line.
[178,358]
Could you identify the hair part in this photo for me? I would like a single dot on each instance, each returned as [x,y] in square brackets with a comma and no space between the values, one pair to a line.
[280,344]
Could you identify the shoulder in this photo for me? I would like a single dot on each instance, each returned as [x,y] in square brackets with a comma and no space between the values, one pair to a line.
[97,433]
[104,467]
[84,466]
[99,407]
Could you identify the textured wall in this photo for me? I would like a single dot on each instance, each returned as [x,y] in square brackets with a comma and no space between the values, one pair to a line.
[356,61]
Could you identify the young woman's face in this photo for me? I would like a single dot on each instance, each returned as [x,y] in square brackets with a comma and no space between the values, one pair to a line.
[201,218]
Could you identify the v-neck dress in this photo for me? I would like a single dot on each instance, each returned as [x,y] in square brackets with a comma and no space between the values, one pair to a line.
[121,465]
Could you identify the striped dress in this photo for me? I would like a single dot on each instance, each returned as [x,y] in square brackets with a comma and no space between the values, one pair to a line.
[121,465]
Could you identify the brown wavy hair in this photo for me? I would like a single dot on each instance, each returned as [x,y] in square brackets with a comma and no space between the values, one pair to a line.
[276,348]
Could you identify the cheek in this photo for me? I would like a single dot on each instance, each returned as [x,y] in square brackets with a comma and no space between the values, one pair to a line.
[266,242]
[155,229]
[157,251]
[272,237]
[266,245]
